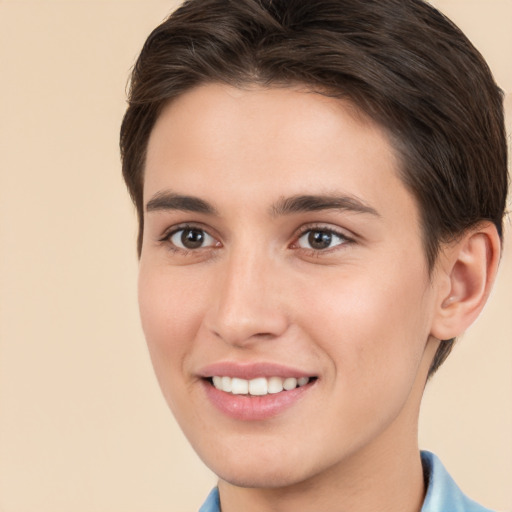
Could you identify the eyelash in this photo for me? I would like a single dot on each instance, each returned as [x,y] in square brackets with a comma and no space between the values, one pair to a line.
[344,239]
[167,238]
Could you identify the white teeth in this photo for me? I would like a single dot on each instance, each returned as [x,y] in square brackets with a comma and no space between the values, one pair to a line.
[302,381]
[260,386]
[239,386]
[275,385]
[226,384]
[290,383]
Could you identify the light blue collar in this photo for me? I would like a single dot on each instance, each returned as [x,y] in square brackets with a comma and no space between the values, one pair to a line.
[212,503]
[442,492]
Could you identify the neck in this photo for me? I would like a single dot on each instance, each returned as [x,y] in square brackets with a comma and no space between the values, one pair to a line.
[384,480]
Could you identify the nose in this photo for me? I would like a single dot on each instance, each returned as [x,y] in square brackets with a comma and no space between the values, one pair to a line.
[248,300]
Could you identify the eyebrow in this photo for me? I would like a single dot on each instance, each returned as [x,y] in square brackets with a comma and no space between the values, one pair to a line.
[170,201]
[312,203]
[166,200]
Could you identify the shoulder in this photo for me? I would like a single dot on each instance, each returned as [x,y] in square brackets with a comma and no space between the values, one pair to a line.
[442,492]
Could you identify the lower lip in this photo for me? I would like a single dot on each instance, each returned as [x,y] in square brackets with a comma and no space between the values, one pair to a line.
[254,408]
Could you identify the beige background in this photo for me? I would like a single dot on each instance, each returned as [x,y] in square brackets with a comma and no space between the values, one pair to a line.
[82,425]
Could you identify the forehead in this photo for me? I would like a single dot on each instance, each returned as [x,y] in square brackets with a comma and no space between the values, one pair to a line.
[262,142]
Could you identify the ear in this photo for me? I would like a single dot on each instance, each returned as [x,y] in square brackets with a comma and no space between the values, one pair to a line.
[465,273]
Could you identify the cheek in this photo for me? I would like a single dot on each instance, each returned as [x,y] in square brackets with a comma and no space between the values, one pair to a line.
[170,318]
[375,341]
[373,327]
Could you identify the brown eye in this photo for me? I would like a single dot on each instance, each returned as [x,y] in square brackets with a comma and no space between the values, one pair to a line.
[192,238]
[320,239]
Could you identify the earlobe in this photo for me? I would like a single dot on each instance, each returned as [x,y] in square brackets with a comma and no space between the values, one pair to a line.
[469,269]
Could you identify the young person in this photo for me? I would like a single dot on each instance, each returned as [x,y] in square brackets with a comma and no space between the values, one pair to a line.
[320,189]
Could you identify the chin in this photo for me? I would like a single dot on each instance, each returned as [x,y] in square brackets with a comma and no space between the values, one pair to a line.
[260,478]
[262,470]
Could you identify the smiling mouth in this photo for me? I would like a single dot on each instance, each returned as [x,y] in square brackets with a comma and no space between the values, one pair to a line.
[259,386]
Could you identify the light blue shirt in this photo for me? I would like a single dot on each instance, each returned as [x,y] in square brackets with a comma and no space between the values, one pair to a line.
[443,495]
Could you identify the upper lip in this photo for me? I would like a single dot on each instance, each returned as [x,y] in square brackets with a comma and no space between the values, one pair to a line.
[250,371]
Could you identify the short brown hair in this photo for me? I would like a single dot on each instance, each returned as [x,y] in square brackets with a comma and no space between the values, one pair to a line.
[400,62]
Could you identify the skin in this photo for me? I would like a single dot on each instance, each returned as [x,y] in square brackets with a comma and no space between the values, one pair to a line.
[362,315]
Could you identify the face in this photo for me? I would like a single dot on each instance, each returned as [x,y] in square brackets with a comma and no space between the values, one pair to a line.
[284,291]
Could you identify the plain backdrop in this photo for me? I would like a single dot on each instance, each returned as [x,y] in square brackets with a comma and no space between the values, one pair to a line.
[83,427]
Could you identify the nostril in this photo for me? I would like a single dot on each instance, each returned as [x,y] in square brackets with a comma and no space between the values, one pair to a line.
[244,335]
[264,335]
